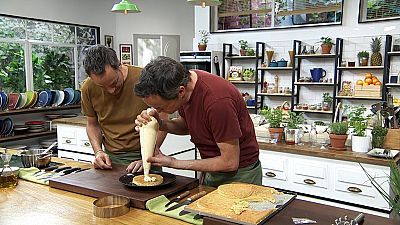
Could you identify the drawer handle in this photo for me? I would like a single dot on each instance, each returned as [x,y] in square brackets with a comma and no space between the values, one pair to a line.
[354,189]
[68,141]
[270,174]
[309,181]
[87,144]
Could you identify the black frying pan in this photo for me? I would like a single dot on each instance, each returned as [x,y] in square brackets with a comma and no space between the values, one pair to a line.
[168,179]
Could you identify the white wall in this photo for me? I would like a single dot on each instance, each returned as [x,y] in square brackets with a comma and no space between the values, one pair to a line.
[349,28]
[174,17]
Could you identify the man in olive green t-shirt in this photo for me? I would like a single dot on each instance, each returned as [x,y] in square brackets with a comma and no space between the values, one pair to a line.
[111,107]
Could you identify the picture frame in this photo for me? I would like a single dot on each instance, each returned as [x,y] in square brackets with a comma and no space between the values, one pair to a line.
[109,41]
[125,54]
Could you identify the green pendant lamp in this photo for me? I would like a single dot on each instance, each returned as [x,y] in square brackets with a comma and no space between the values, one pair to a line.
[204,3]
[125,7]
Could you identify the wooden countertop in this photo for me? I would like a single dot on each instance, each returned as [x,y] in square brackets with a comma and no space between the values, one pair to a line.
[79,120]
[31,203]
[307,150]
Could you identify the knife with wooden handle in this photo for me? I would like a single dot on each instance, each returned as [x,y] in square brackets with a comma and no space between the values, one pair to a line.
[187,201]
[177,199]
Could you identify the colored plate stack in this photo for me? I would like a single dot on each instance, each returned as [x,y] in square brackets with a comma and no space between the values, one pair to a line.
[3,101]
[20,129]
[6,127]
[35,126]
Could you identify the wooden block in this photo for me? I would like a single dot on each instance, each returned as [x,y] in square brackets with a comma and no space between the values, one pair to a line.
[392,139]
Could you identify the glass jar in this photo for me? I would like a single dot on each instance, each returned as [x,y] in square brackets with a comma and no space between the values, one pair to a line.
[313,136]
[290,136]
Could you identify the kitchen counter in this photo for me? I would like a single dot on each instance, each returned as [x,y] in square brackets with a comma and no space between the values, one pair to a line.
[307,150]
[79,120]
[33,203]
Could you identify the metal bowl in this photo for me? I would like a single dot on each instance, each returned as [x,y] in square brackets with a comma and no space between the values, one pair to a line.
[36,158]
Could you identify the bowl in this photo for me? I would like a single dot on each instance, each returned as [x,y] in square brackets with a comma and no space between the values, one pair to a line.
[35,158]
[9,177]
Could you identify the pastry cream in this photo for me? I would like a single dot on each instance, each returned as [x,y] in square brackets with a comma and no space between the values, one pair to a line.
[148,136]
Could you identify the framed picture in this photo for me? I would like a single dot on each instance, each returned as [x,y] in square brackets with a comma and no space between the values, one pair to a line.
[125,52]
[109,41]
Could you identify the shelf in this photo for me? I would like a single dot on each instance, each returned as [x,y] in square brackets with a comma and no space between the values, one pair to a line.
[312,111]
[394,53]
[240,57]
[316,56]
[38,110]
[26,136]
[241,82]
[277,94]
[392,85]
[359,98]
[314,83]
[361,68]
[275,68]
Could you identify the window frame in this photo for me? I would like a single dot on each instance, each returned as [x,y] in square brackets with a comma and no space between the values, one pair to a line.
[360,12]
[213,11]
[27,45]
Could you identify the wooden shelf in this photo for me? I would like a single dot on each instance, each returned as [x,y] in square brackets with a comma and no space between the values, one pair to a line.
[361,68]
[312,111]
[394,53]
[275,68]
[316,56]
[26,136]
[241,82]
[313,83]
[240,57]
[38,110]
[392,85]
[276,94]
[359,98]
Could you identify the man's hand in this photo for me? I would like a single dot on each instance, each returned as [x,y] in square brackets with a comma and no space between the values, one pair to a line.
[162,160]
[102,161]
[136,166]
[144,118]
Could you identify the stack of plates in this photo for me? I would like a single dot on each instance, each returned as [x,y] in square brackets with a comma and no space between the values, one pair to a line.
[3,101]
[6,127]
[35,126]
[20,129]
[53,116]
[13,99]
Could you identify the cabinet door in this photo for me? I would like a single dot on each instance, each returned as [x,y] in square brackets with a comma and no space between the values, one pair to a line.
[66,137]
[352,184]
[83,142]
[310,177]
[275,170]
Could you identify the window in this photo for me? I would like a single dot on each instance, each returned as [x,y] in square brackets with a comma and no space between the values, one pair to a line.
[267,14]
[374,10]
[37,55]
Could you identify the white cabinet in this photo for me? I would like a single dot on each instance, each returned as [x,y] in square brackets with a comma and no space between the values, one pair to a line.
[73,143]
[333,179]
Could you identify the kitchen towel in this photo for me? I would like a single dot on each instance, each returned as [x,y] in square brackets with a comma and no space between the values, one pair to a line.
[157,205]
[29,174]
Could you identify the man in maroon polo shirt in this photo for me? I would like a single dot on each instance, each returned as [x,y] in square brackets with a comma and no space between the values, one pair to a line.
[212,111]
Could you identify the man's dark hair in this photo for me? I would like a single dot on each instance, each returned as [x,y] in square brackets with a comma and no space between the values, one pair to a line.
[97,57]
[162,76]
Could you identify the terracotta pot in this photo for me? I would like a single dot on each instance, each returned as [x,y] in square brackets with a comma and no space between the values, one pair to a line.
[278,131]
[363,61]
[202,47]
[243,52]
[338,141]
[326,49]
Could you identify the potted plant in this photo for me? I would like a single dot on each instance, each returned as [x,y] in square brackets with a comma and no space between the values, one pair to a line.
[359,141]
[327,101]
[338,135]
[363,58]
[244,45]
[326,45]
[274,117]
[248,74]
[378,136]
[204,37]
[292,128]
[250,52]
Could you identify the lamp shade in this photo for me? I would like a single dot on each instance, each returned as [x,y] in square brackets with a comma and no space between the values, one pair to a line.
[204,3]
[125,6]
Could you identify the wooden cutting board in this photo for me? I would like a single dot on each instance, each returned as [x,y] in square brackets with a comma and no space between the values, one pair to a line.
[99,183]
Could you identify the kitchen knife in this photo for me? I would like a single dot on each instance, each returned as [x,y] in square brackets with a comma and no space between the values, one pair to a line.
[187,201]
[80,170]
[61,169]
[68,171]
[43,171]
[177,199]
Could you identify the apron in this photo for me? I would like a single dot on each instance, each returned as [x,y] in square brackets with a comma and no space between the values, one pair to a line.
[128,157]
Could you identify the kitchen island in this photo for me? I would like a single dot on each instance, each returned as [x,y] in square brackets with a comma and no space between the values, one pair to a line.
[31,203]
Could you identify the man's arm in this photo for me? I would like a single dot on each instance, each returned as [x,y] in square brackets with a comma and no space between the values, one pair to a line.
[161,134]
[228,161]
[174,126]
[96,139]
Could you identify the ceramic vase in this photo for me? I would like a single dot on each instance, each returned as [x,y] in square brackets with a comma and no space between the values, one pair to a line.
[291,54]
[270,55]
[360,144]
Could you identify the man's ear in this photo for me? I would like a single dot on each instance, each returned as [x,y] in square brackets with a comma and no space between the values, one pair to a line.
[182,90]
